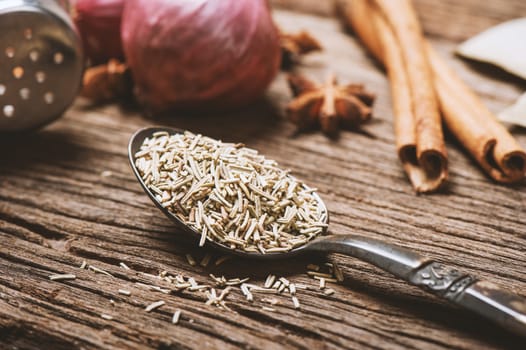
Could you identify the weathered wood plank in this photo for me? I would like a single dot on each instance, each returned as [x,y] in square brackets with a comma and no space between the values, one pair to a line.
[464,18]
[322,8]
[57,208]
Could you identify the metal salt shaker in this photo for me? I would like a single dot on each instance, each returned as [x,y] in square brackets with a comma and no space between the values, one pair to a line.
[41,63]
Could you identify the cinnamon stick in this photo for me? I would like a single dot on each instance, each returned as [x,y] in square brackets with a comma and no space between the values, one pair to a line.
[417,123]
[478,130]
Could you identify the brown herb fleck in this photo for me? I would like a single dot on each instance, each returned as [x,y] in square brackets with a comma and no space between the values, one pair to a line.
[295,45]
[107,82]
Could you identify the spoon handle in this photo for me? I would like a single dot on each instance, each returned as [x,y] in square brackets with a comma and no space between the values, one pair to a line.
[481,297]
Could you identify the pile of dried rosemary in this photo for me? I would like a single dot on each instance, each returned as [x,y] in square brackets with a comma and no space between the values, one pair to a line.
[229,193]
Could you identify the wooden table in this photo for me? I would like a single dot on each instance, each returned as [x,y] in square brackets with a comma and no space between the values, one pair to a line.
[67,195]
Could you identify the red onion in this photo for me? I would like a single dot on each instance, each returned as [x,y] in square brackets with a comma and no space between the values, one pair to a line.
[99,22]
[199,54]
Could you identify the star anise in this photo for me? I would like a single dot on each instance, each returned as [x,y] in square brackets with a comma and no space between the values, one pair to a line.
[107,82]
[329,105]
[293,46]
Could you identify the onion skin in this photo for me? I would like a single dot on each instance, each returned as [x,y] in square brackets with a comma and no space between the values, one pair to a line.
[99,25]
[199,54]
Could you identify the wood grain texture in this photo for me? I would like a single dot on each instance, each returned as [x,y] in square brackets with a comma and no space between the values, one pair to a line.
[315,7]
[56,210]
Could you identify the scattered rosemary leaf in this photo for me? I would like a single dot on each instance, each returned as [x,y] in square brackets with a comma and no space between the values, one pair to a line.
[124,266]
[284,281]
[190,260]
[271,301]
[264,290]
[246,292]
[202,240]
[60,277]
[319,274]
[292,288]
[328,291]
[222,259]
[236,281]
[296,302]
[159,289]
[149,275]
[83,265]
[154,306]
[192,282]
[152,287]
[244,289]
[224,293]
[206,260]
[266,308]
[106,173]
[97,270]
[124,292]
[338,273]
[106,317]
[176,316]
[270,281]
[332,280]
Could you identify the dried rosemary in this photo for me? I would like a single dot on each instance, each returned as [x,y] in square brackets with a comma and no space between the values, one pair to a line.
[61,277]
[154,306]
[176,316]
[229,193]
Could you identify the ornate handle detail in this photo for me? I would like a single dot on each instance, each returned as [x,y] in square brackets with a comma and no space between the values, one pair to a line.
[481,297]
[442,280]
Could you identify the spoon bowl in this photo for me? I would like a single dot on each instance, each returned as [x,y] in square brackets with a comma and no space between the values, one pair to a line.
[482,297]
[134,146]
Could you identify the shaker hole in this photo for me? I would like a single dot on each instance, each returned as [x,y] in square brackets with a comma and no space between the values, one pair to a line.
[2,89]
[10,51]
[49,98]
[40,77]
[28,33]
[24,93]
[18,72]
[58,57]
[9,111]
[34,55]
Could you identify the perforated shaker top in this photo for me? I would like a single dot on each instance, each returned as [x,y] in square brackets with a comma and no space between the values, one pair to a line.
[40,63]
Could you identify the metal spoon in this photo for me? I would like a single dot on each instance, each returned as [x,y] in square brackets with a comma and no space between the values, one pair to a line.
[465,290]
